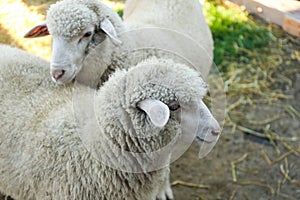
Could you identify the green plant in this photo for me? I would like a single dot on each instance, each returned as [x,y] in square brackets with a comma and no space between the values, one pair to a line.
[120,12]
[234,34]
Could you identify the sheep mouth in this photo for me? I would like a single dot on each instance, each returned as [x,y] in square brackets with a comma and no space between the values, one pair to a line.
[65,79]
[199,139]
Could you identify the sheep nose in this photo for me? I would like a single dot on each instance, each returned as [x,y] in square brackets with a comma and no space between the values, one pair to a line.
[215,132]
[57,73]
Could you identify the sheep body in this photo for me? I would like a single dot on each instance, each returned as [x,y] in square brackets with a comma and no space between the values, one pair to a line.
[185,17]
[42,156]
[42,153]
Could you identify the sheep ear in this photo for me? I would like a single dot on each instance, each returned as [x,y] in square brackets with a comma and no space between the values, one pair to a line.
[157,111]
[110,30]
[39,30]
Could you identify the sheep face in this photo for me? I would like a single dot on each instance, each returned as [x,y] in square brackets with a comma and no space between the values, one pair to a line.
[68,55]
[188,119]
[75,28]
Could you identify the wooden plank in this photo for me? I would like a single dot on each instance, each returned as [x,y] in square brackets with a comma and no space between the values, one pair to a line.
[263,8]
[285,13]
[291,25]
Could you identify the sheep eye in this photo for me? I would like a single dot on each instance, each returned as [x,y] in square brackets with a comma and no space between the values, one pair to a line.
[174,106]
[87,34]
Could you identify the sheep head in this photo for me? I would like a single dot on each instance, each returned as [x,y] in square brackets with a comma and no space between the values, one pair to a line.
[150,115]
[167,91]
[75,26]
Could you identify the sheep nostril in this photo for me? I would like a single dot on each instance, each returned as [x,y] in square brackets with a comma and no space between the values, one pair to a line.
[215,133]
[57,73]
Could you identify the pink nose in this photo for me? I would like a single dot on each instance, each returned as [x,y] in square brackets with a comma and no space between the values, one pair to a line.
[57,73]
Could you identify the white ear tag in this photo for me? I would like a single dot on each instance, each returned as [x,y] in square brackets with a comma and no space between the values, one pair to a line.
[157,111]
[110,30]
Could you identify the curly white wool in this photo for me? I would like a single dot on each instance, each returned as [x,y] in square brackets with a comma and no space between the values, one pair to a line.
[41,154]
[186,17]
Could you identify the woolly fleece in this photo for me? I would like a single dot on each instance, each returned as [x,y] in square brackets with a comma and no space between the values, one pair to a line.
[69,18]
[186,17]
[42,155]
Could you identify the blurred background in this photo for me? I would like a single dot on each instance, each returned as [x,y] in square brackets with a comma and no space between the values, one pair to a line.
[257,157]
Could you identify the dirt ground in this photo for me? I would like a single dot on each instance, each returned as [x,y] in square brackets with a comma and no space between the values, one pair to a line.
[258,154]
[243,156]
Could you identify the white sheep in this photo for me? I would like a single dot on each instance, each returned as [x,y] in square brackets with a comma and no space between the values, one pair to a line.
[78,26]
[45,152]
